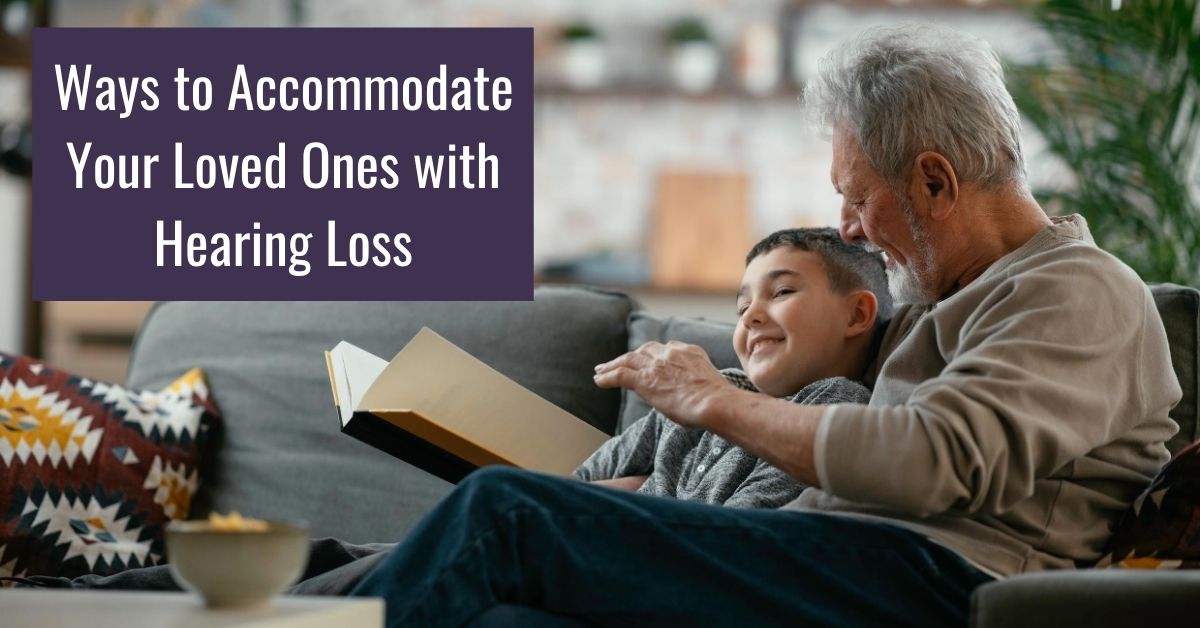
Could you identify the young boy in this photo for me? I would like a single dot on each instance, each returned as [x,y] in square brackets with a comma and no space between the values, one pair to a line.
[807,309]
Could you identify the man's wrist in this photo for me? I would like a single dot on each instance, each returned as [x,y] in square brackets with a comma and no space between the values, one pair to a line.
[720,409]
[776,430]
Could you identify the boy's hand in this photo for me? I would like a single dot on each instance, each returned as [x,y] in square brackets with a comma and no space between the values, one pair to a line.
[628,483]
[677,379]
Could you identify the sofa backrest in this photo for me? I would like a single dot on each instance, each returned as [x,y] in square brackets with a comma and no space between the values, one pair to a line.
[281,454]
[1179,307]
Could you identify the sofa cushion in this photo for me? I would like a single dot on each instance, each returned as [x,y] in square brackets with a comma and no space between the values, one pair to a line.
[1179,307]
[715,338]
[91,473]
[282,455]
[1086,598]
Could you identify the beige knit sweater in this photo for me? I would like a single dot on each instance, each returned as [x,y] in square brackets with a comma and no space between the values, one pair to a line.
[1015,419]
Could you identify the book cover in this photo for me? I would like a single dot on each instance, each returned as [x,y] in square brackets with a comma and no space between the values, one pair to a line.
[439,408]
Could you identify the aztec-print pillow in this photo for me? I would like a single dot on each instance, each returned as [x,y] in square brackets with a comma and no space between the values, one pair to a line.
[1161,530]
[91,473]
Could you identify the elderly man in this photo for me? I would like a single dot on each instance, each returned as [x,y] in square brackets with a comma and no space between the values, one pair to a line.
[1020,403]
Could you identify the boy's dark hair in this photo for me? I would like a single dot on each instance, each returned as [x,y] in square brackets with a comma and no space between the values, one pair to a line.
[849,266]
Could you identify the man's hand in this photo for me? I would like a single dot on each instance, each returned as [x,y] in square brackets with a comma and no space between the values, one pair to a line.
[679,381]
[629,483]
[676,378]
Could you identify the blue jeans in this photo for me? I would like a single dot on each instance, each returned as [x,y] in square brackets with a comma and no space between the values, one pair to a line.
[604,557]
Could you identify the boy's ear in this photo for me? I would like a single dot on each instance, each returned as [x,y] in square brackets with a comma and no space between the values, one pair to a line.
[864,307]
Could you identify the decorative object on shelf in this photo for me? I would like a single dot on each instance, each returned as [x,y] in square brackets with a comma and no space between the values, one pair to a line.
[695,60]
[701,230]
[760,58]
[582,58]
[183,13]
[16,149]
[1118,105]
[16,25]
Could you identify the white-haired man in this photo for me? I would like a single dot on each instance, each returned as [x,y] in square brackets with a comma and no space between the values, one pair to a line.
[1020,403]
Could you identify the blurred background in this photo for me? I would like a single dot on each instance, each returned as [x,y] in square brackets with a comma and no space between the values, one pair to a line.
[668,137]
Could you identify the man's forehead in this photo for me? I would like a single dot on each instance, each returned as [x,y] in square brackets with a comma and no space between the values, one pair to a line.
[846,169]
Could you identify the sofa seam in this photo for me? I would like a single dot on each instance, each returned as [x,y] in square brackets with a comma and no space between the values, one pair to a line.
[1194,296]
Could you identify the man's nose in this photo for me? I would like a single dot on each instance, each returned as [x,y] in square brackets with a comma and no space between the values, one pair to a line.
[851,228]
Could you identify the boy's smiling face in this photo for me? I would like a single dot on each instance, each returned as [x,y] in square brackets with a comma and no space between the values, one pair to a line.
[792,325]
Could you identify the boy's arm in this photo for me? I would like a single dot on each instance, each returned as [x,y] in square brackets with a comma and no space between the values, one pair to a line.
[766,487]
[631,483]
[630,453]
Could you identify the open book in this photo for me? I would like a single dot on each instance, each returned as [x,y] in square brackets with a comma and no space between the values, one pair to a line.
[439,408]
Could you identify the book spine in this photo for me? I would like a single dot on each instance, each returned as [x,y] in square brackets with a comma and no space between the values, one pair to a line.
[389,438]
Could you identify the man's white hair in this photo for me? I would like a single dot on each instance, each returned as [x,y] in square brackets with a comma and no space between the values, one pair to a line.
[902,90]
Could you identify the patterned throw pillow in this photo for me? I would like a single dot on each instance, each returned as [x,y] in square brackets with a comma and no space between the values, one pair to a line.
[91,473]
[1161,530]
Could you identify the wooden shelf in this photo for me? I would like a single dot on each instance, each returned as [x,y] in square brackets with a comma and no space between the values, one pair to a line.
[664,92]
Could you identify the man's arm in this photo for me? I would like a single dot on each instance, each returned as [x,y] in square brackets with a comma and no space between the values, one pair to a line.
[778,431]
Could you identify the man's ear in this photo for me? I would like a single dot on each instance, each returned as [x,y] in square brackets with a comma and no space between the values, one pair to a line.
[935,185]
[864,308]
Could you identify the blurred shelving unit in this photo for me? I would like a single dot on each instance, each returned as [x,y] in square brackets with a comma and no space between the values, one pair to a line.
[652,92]
[602,146]
[92,338]
[19,316]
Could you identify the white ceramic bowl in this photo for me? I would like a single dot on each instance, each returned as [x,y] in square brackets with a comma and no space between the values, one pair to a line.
[236,568]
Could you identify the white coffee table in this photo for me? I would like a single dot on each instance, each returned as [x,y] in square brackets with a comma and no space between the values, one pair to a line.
[122,609]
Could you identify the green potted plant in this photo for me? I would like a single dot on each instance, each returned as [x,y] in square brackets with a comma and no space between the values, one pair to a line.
[694,59]
[582,62]
[1119,104]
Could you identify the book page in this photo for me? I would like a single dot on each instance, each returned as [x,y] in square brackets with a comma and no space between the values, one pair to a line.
[354,370]
[455,390]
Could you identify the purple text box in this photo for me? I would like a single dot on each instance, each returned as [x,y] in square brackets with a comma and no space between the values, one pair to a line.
[470,242]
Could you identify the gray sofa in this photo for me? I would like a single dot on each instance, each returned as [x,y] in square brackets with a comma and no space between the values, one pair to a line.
[280,454]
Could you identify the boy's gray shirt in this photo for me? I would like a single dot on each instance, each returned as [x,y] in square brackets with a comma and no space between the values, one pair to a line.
[697,465]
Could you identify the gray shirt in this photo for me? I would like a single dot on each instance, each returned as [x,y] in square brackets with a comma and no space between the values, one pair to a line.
[696,465]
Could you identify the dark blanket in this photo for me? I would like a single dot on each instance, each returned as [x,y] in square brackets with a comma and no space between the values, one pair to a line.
[334,567]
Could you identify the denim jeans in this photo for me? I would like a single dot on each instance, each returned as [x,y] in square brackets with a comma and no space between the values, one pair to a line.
[509,539]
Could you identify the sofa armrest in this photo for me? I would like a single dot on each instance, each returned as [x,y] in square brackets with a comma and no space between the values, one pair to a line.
[1092,598]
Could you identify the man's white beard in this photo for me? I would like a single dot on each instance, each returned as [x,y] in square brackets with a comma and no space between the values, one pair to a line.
[905,281]
[906,287]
